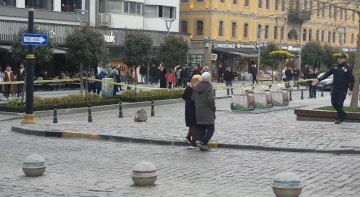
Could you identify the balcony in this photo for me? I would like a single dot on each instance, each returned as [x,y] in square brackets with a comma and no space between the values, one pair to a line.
[299,16]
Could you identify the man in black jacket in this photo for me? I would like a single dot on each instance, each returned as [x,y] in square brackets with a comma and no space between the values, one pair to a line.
[21,77]
[254,73]
[154,75]
[312,88]
[228,77]
[143,73]
[220,73]
[296,75]
[343,80]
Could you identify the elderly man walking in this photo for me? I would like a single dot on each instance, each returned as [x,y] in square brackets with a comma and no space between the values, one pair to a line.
[203,96]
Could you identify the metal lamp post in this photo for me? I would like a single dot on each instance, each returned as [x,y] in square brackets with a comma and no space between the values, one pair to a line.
[341,37]
[168,23]
[259,50]
[29,75]
[280,27]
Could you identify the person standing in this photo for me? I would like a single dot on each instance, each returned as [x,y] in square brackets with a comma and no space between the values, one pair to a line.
[312,88]
[9,77]
[190,116]
[170,78]
[143,73]
[254,73]
[153,73]
[91,83]
[162,76]
[228,77]
[306,72]
[196,71]
[21,77]
[184,77]
[288,74]
[220,74]
[102,74]
[296,75]
[205,108]
[343,81]
[178,76]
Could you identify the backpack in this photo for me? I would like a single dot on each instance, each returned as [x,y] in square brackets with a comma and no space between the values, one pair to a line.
[141,116]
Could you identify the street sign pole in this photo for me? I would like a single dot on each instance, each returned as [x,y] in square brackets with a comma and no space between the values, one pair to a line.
[29,77]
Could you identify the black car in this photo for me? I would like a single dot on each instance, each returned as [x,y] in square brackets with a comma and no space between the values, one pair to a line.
[325,84]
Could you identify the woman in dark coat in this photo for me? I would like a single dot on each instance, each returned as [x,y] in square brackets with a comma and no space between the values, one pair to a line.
[190,116]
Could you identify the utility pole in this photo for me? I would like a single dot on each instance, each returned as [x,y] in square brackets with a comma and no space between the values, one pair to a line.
[29,75]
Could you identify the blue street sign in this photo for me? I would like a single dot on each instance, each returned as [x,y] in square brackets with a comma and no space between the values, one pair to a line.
[34,39]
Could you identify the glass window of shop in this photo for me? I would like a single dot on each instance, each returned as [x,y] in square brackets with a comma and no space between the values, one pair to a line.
[40,4]
[7,3]
[132,8]
[195,60]
[70,5]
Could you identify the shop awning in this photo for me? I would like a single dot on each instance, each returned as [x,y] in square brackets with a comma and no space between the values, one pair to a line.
[59,51]
[244,54]
[5,48]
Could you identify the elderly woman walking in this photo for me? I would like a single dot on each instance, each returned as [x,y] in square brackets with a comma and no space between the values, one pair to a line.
[190,116]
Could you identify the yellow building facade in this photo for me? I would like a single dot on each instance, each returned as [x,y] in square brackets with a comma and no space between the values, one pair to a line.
[234,29]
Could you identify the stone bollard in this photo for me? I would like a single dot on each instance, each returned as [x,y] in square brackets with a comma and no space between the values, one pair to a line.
[322,92]
[152,109]
[144,174]
[55,120]
[89,114]
[120,110]
[302,94]
[34,165]
[215,92]
[287,184]
[290,92]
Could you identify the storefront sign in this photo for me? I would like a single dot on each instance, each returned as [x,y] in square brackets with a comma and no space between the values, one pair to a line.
[238,46]
[290,48]
[110,38]
[349,49]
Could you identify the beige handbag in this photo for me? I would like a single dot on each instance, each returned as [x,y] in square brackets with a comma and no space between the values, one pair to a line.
[141,116]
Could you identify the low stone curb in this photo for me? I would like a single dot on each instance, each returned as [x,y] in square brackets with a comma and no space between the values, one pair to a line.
[269,110]
[103,107]
[70,134]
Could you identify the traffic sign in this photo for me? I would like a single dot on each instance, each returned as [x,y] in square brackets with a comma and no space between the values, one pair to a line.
[34,39]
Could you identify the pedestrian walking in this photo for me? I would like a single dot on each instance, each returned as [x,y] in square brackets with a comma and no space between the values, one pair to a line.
[254,73]
[296,75]
[102,74]
[190,116]
[343,81]
[184,77]
[312,88]
[170,78]
[91,83]
[143,74]
[178,70]
[228,77]
[205,109]
[162,76]
[220,74]
[21,77]
[153,73]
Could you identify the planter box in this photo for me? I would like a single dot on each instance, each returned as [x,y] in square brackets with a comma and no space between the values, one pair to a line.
[322,115]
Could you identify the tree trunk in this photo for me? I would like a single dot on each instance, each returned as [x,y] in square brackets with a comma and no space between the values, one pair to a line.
[354,98]
[81,78]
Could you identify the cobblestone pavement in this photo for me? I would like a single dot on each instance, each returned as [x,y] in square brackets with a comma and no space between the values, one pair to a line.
[85,168]
[275,129]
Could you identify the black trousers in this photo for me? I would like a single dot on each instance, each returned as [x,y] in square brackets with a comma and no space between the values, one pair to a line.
[337,100]
[254,78]
[312,91]
[20,89]
[162,83]
[92,87]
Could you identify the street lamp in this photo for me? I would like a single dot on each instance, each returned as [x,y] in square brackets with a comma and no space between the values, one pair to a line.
[168,22]
[29,75]
[281,32]
[259,49]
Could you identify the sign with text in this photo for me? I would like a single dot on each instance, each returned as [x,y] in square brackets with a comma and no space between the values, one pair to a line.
[34,39]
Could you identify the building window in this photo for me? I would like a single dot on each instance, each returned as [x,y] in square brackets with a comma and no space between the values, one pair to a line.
[246,3]
[323,10]
[345,38]
[345,13]
[259,32]
[322,36]
[47,5]
[352,38]
[334,37]
[311,7]
[335,12]
[341,13]
[317,35]
[310,34]
[260,3]
[132,8]
[267,32]
[200,1]
[329,37]
[151,11]
[304,35]
[70,5]
[8,3]
[246,30]
[283,5]
[199,28]
[318,9]
[267,4]
[166,12]
[330,11]
[235,2]
[277,4]
[282,30]
[115,6]
[276,33]
[353,16]
[221,28]
[184,1]
[184,27]
[233,29]
[222,1]
[305,5]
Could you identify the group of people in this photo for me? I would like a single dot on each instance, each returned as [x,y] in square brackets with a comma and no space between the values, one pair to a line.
[200,111]
[9,76]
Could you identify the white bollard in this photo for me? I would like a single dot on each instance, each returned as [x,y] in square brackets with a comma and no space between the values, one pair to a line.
[144,174]
[287,184]
[34,165]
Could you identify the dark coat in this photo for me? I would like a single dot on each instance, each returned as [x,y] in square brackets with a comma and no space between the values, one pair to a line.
[190,116]
[143,70]
[205,108]
[228,76]
[195,72]
[100,77]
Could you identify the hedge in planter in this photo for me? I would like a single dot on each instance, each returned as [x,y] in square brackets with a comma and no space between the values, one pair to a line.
[65,102]
[151,95]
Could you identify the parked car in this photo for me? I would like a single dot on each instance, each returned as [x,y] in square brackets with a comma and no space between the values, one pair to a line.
[325,84]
